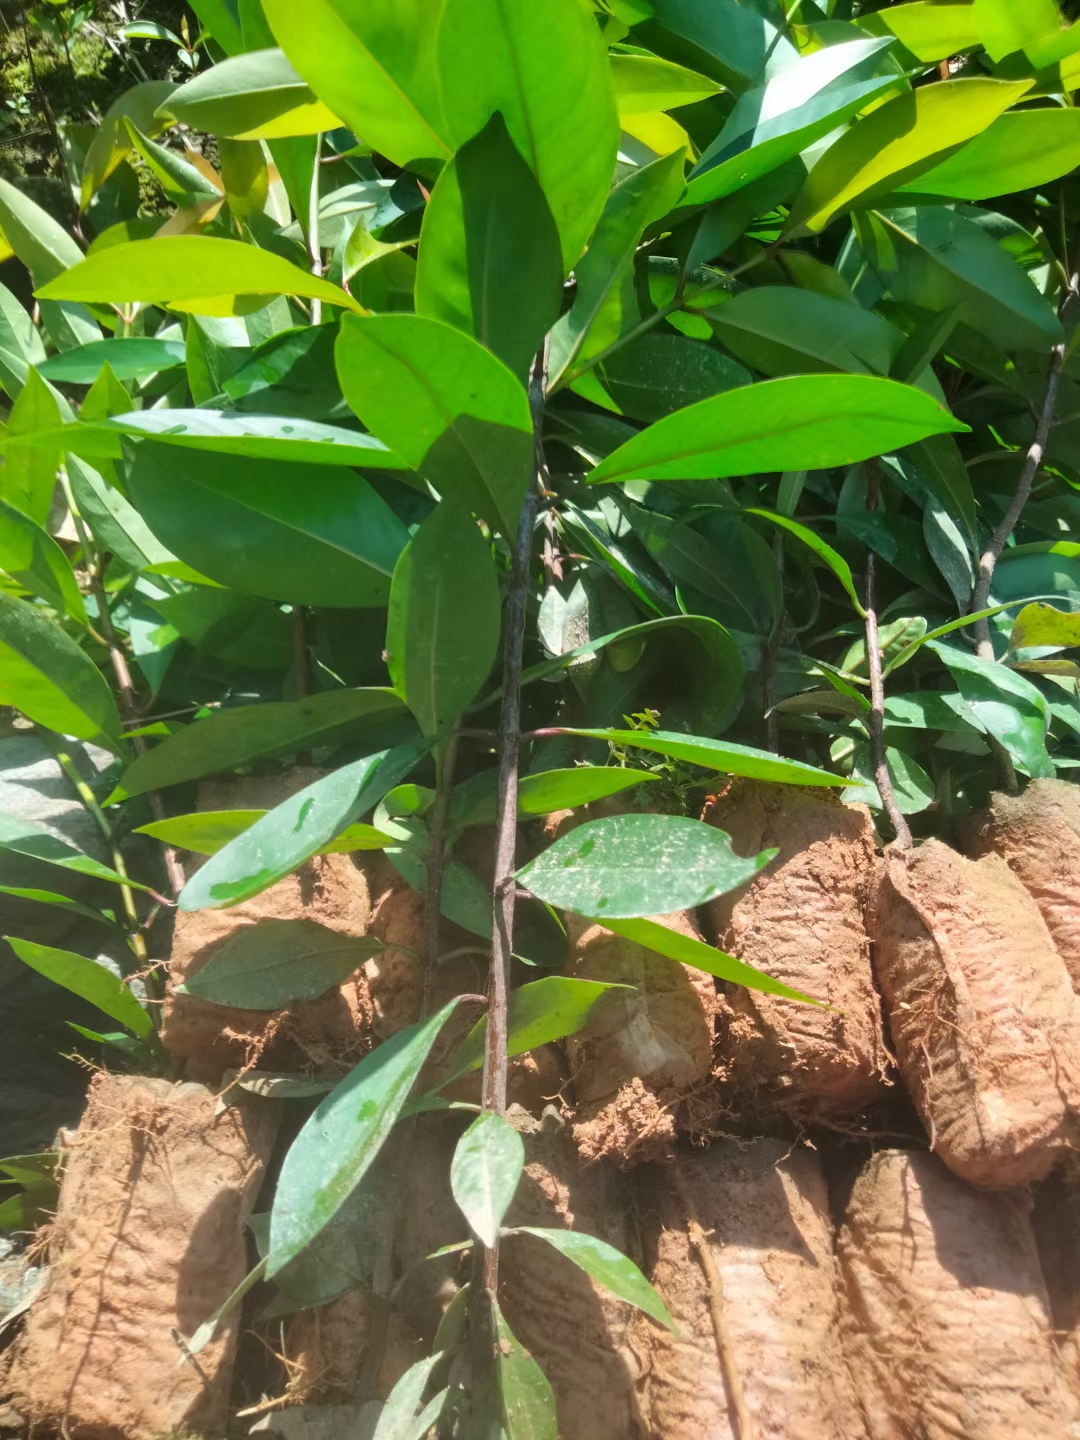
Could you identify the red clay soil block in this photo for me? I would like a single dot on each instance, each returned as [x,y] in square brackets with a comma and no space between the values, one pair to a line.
[147,1243]
[982,1014]
[802,921]
[946,1323]
[1037,834]
[760,1331]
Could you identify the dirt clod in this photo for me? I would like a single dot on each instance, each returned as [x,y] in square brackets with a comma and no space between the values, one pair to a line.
[981,1011]
[945,1323]
[802,921]
[148,1241]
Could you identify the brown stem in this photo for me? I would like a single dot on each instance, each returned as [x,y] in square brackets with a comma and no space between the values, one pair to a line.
[875,721]
[435,860]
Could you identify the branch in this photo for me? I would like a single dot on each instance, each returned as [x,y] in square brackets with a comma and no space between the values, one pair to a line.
[875,721]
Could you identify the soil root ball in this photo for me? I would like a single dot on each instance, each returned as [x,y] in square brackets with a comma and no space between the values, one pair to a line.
[763,1211]
[148,1241]
[644,1049]
[802,921]
[945,1322]
[1037,834]
[982,1014]
[576,1330]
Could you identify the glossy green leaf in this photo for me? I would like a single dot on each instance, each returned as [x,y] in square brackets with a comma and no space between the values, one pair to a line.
[208,831]
[199,273]
[465,900]
[252,732]
[783,331]
[131,358]
[720,755]
[688,950]
[490,262]
[88,980]
[912,786]
[799,422]
[487,1165]
[775,122]
[734,42]
[1004,28]
[546,71]
[256,96]
[940,463]
[31,556]
[337,1145]
[316,536]
[445,405]
[28,477]
[1003,703]
[45,674]
[526,1398]
[540,1012]
[643,196]
[1020,150]
[245,175]
[442,631]
[551,790]
[1044,625]
[271,965]
[40,242]
[112,140]
[23,837]
[630,865]
[929,29]
[644,84]
[653,375]
[20,344]
[895,143]
[182,182]
[608,1267]
[296,829]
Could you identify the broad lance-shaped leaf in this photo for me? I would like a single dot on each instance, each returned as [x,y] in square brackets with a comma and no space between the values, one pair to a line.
[638,865]
[21,347]
[525,1396]
[278,962]
[489,259]
[208,831]
[644,84]
[931,31]
[31,556]
[112,141]
[257,96]
[297,829]
[1020,150]
[182,182]
[442,630]
[1004,704]
[719,755]
[135,357]
[338,1144]
[23,837]
[484,1173]
[832,558]
[732,41]
[40,242]
[45,674]
[783,331]
[772,124]
[250,732]
[199,273]
[28,477]
[795,423]
[87,979]
[607,1266]
[895,143]
[443,403]
[399,1419]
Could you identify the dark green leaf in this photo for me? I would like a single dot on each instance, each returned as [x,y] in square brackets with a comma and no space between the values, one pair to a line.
[271,965]
[780,330]
[721,755]
[88,980]
[631,865]
[835,561]
[485,1171]
[132,358]
[733,41]
[399,1420]
[653,375]
[526,1397]
[23,837]
[608,1267]
[31,556]
[940,463]
[50,897]
[1004,704]
[442,632]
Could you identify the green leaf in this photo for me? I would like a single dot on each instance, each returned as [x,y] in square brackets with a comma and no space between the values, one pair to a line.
[20,344]
[271,965]
[643,196]
[525,1396]
[934,257]
[1033,27]
[733,41]
[399,1420]
[688,950]
[296,829]
[912,786]
[445,405]
[931,30]
[131,358]
[43,246]
[652,375]
[801,422]
[780,330]
[1020,150]
[199,273]
[608,1267]
[465,900]
[257,96]
[28,477]
[1004,704]
[338,1144]
[644,84]
[720,755]
[1044,625]
[44,674]
[895,143]
[374,66]
[23,837]
[442,631]
[940,463]
[551,790]
[316,536]
[540,1012]
[182,182]
[546,71]
[112,140]
[252,732]
[88,980]
[631,865]
[835,561]
[31,556]
[50,897]
[208,831]
[484,1174]
[689,558]
[490,262]
[775,122]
